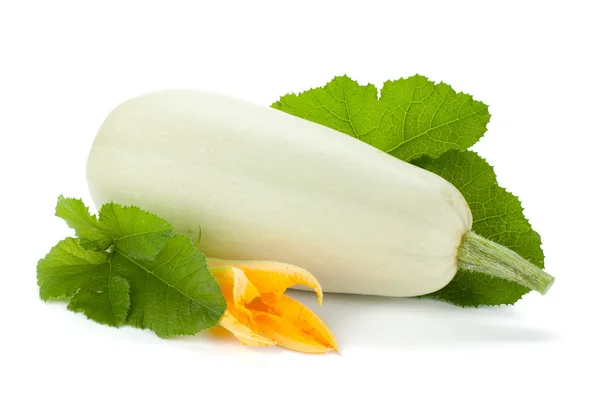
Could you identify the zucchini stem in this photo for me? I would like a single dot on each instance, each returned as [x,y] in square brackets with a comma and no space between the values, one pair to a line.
[479,254]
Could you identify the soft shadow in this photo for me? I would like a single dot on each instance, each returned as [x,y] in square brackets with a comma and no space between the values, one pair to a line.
[404,323]
[375,322]
[218,341]
[393,323]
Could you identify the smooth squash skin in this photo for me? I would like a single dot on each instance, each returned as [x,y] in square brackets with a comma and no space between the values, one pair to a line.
[265,185]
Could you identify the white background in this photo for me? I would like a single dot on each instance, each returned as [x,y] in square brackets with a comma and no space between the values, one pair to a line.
[65,65]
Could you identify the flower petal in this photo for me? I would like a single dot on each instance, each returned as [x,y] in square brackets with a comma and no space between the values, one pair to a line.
[271,276]
[224,277]
[286,334]
[259,314]
[243,290]
[235,285]
[244,334]
[303,319]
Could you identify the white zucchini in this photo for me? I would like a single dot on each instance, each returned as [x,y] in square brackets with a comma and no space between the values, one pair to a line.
[265,185]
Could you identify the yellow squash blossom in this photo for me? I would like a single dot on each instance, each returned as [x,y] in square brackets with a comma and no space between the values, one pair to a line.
[260,314]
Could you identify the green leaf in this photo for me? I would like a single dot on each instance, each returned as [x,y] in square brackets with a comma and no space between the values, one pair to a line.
[87,228]
[136,233]
[105,300]
[416,120]
[149,278]
[497,216]
[68,267]
[413,117]
[85,276]
[174,294]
